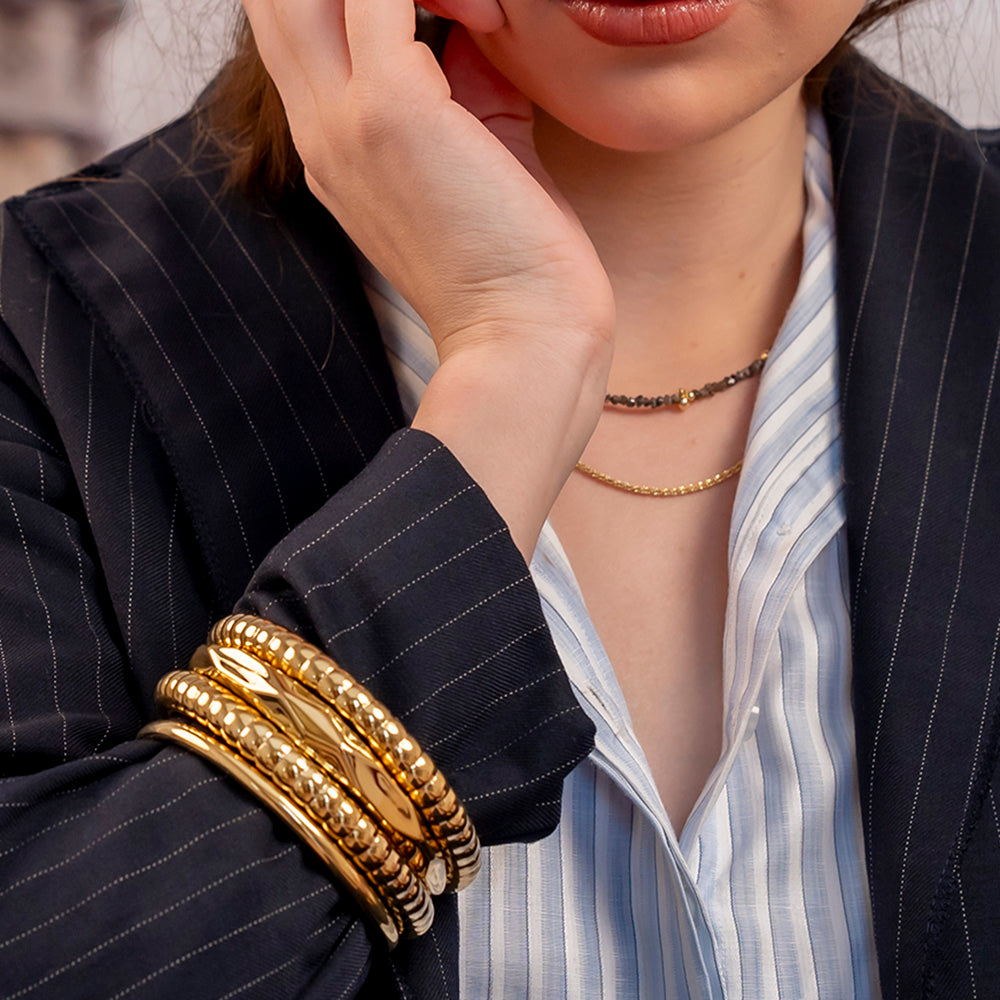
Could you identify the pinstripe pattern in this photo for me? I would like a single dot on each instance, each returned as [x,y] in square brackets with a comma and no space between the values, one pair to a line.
[768,883]
[142,492]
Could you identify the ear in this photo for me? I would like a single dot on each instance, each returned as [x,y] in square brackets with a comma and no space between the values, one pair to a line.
[483,16]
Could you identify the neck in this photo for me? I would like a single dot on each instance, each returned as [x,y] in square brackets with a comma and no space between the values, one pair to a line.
[702,244]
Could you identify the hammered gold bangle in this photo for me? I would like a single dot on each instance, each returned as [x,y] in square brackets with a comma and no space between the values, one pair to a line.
[337,812]
[453,834]
[319,732]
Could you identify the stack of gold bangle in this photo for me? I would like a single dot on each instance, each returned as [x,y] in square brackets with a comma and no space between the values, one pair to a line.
[301,734]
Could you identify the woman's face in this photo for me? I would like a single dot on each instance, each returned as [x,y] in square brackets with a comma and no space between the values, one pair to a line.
[619,92]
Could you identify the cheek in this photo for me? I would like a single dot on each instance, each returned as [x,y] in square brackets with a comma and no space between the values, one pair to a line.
[813,27]
[660,97]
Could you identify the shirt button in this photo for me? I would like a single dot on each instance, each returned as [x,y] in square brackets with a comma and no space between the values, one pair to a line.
[752,723]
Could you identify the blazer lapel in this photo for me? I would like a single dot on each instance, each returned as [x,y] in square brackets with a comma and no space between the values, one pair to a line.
[918,224]
[244,332]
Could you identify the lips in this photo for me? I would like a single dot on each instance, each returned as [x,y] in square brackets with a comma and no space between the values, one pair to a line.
[660,22]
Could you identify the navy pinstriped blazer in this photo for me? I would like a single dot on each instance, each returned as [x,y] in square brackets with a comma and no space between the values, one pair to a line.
[196,413]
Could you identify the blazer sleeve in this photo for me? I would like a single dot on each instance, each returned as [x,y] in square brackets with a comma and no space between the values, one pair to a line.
[128,868]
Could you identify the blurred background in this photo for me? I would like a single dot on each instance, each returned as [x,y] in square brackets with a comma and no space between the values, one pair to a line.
[80,76]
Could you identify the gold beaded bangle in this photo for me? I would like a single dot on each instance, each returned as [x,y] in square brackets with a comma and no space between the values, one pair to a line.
[453,834]
[192,738]
[318,731]
[338,814]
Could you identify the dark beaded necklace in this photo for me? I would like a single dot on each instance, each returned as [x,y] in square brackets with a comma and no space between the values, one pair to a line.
[684,397]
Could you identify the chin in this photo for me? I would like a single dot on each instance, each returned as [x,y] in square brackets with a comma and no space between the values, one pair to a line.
[650,98]
[672,116]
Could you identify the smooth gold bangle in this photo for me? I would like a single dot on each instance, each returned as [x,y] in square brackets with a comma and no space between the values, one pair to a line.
[320,732]
[453,834]
[343,818]
[194,739]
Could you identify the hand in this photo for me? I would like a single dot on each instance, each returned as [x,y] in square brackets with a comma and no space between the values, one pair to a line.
[436,179]
[443,193]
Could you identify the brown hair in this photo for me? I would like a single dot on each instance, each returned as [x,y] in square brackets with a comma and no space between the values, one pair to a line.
[243,115]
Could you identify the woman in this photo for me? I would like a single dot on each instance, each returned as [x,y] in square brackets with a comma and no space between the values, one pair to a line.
[588,198]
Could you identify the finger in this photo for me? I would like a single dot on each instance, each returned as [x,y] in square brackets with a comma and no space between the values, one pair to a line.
[378,32]
[488,95]
[477,15]
[301,38]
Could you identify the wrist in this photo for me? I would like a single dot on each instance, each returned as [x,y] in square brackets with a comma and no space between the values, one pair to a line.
[518,422]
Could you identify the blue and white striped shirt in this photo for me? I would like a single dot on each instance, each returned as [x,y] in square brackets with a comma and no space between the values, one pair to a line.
[764,895]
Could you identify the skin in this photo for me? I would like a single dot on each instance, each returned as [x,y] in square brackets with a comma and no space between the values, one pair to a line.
[603,217]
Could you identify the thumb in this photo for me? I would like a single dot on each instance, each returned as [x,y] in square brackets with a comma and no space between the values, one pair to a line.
[484,92]
[488,95]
